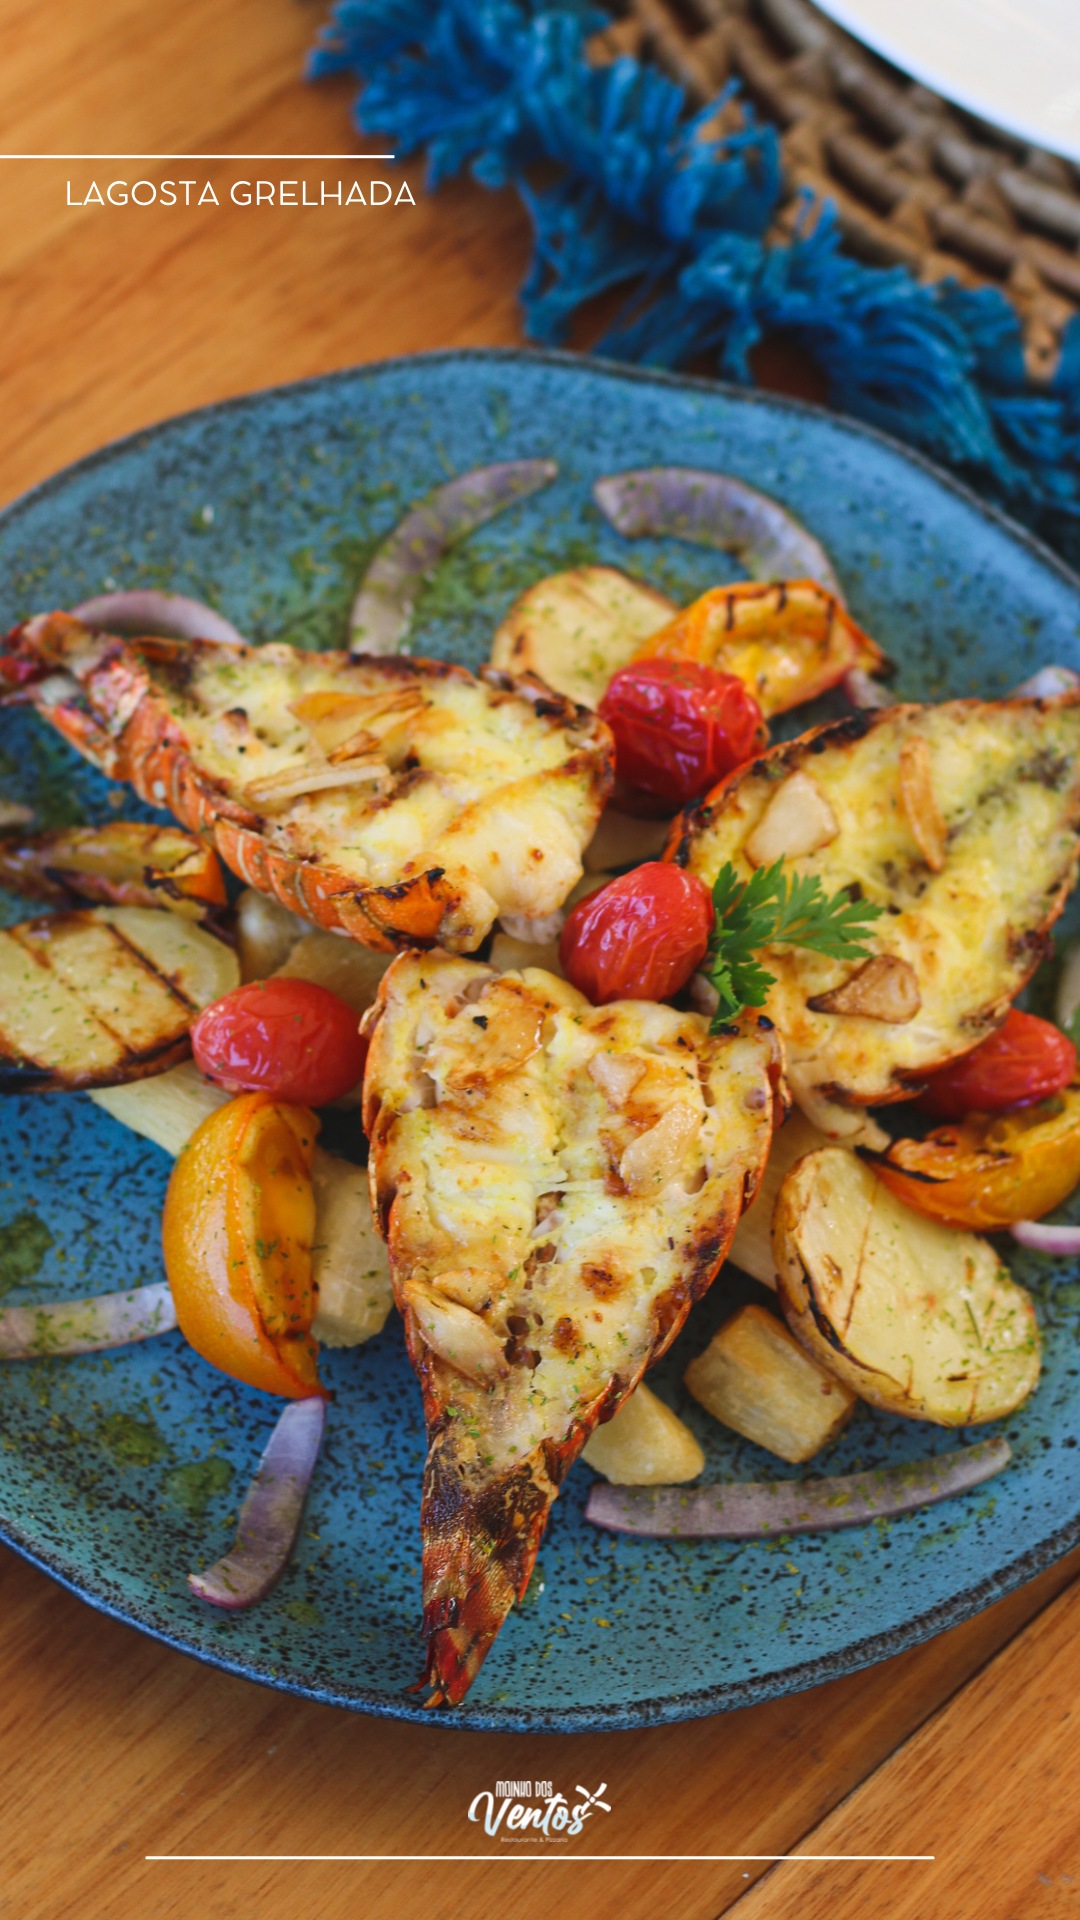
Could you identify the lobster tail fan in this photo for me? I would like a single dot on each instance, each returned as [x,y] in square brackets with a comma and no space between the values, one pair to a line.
[480,1546]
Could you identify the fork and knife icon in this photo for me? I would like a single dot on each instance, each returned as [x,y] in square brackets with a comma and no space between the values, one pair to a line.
[592,1799]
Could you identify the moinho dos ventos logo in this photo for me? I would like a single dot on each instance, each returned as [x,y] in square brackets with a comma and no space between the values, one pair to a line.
[506,1811]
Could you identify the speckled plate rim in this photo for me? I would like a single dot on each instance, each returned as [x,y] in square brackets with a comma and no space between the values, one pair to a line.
[649,1711]
[633,1714]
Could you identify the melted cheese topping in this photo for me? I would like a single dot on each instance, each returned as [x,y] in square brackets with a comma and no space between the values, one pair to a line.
[461,775]
[506,1107]
[1005,779]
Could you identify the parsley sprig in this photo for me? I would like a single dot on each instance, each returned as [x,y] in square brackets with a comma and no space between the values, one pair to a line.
[769,908]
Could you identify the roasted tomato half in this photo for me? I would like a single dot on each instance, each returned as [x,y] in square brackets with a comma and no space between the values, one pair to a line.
[289,1038]
[1027,1059]
[991,1170]
[237,1232]
[679,727]
[641,937]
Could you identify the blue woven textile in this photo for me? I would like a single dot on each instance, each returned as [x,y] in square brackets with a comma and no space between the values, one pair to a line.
[627,188]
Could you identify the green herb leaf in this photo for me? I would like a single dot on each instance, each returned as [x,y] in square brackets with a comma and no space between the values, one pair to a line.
[768,909]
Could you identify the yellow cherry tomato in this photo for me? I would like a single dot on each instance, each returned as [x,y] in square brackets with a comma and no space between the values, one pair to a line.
[991,1169]
[787,641]
[237,1231]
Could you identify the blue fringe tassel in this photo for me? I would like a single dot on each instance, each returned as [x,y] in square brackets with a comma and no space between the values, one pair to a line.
[645,197]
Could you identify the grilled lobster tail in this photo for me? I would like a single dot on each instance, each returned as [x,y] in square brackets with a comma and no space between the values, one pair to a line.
[549,1229]
[480,1546]
[400,801]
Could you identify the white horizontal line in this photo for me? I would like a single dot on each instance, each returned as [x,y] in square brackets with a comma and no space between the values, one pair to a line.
[196,156]
[771,1858]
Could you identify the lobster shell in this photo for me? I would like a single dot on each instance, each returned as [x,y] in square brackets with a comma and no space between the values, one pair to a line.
[98,691]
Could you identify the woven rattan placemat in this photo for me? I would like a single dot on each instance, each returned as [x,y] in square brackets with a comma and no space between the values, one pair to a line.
[914,180]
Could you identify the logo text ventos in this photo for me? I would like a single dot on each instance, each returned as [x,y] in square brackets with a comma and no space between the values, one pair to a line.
[554,1817]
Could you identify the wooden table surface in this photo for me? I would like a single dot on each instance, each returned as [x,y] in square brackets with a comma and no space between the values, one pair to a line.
[114,1748]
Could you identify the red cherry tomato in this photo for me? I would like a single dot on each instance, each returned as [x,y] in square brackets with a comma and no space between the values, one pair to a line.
[288,1038]
[680,727]
[1026,1059]
[641,937]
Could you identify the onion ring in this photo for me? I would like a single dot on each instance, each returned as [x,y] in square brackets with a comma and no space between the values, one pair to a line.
[172,616]
[1047,683]
[1041,1237]
[715,510]
[863,691]
[386,600]
[271,1514]
[762,1510]
[86,1326]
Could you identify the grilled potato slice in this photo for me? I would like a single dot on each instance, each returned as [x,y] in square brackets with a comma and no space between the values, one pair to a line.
[93,998]
[405,802]
[755,1378]
[509,955]
[575,629]
[959,942]
[124,862]
[644,1445]
[918,1318]
[557,1182]
[344,967]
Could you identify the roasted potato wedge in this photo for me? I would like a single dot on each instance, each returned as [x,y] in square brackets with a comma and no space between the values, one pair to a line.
[349,1265]
[1005,776]
[266,933]
[621,840]
[123,862]
[350,1268]
[107,994]
[342,966]
[509,954]
[575,629]
[915,1317]
[644,1445]
[751,1248]
[755,1378]
[166,1107]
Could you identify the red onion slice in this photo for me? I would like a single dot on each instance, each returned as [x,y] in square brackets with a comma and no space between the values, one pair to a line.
[762,1510]
[862,690]
[171,615]
[1040,1237]
[1047,683]
[383,609]
[271,1514]
[715,510]
[86,1326]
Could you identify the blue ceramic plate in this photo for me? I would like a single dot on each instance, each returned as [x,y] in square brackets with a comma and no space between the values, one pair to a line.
[120,1473]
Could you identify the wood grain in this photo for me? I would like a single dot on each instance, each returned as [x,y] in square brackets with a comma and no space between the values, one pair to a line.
[988,1786]
[114,317]
[113,1747]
